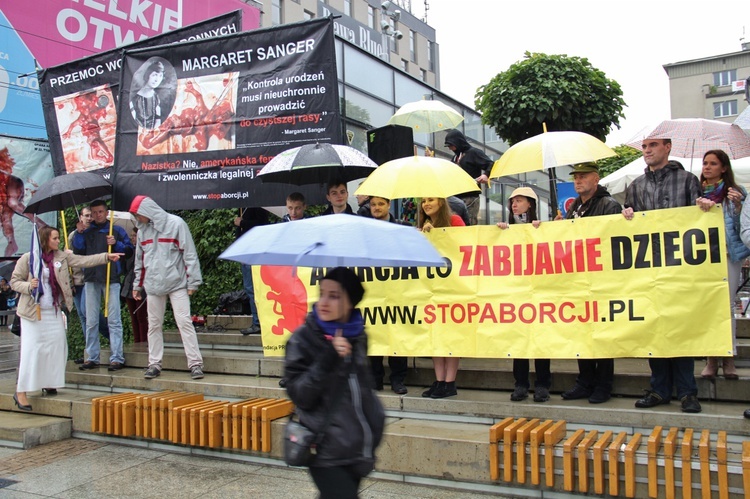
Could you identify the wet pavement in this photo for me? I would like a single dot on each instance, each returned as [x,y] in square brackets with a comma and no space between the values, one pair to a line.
[76,468]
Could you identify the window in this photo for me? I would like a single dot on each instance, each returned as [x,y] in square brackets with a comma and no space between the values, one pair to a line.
[371,17]
[276,17]
[726,108]
[412,46]
[295,1]
[430,58]
[348,8]
[723,78]
[405,65]
[423,75]
[307,15]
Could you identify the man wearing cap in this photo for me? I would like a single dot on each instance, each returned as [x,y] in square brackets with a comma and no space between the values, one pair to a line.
[166,266]
[380,209]
[665,184]
[474,162]
[595,376]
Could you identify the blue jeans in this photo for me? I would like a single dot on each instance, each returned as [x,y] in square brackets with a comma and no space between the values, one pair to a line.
[677,371]
[80,305]
[94,292]
[247,283]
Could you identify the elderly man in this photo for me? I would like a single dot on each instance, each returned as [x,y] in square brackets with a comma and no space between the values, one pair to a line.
[595,376]
[665,184]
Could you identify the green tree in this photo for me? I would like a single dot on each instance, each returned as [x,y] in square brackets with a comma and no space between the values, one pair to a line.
[566,93]
[625,156]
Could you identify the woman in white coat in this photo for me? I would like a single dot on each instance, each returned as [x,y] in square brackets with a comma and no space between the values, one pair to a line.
[44,346]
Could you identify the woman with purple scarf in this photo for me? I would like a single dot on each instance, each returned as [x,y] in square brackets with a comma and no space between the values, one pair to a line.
[44,346]
[719,187]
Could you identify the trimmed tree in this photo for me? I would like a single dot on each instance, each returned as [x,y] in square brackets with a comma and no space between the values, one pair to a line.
[566,93]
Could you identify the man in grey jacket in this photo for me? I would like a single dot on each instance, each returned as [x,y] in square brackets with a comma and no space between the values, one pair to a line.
[166,265]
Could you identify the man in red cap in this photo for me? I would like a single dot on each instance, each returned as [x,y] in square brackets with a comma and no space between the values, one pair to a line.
[166,265]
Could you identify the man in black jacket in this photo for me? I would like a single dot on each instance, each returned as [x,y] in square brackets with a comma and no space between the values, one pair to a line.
[595,376]
[474,162]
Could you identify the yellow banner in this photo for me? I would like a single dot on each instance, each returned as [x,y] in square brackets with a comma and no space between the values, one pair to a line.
[595,287]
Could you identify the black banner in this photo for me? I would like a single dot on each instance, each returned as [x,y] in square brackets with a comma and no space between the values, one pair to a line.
[228,105]
[78,98]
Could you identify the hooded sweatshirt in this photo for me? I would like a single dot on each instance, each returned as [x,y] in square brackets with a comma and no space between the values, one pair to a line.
[473,160]
[165,258]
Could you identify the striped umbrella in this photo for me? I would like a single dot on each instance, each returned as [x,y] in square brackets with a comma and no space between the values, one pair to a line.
[691,138]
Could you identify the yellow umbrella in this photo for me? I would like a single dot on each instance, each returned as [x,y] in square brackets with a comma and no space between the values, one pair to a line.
[426,116]
[548,150]
[417,177]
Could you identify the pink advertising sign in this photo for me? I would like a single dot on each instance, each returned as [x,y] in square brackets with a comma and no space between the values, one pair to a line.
[58,31]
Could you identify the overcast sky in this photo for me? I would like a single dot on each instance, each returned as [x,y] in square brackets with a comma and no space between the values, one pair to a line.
[630,40]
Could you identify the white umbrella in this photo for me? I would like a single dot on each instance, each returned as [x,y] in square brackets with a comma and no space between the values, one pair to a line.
[691,138]
[426,116]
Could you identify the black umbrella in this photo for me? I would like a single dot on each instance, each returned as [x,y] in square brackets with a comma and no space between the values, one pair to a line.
[68,190]
[317,164]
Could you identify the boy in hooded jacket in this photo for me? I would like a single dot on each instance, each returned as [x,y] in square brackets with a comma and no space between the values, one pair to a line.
[166,265]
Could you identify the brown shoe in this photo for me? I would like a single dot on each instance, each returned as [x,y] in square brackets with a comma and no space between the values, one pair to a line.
[728,368]
[712,367]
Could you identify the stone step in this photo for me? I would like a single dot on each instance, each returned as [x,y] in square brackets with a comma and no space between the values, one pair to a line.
[24,431]
[453,432]
[631,375]
[470,404]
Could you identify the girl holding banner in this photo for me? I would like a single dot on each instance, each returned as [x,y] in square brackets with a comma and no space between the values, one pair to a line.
[523,208]
[435,212]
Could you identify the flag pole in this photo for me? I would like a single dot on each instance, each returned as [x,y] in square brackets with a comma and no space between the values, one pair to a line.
[109,265]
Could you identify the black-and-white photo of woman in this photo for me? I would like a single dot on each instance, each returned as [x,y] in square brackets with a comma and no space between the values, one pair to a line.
[152,92]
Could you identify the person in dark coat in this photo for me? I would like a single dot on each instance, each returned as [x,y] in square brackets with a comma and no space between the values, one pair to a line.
[474,162]
[249,218]
[380,209]
[595,376]
[665,184]
[328,378]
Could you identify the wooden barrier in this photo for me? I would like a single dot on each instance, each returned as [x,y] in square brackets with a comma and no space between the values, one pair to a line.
[569,472]
[509,437]
[614,463]
[703,452]
[599,448]
[523,435]
[536,442]
[687,463]
[670,449]
[189,419]
[496,432]
[746,468]
[654,445]
[583,460]
[552,436]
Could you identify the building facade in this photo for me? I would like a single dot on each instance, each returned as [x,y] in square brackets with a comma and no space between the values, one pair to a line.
[711,87]
[379,72]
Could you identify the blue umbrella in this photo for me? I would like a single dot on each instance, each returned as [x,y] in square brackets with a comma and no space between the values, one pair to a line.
[334,241]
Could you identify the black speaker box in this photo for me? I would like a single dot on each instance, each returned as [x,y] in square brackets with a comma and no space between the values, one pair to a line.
[390,142]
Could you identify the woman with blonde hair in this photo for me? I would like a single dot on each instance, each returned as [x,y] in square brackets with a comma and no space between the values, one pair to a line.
[44,346]
[435,213]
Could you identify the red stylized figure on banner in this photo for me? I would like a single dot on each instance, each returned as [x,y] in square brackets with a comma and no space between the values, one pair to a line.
[91,108]
[11,201]
[289,301]
[198,121]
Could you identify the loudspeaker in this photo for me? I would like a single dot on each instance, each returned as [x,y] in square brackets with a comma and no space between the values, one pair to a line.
[390,142]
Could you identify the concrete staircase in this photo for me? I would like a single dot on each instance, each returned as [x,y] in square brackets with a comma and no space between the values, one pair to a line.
[447,442]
